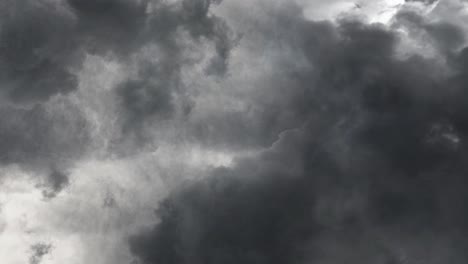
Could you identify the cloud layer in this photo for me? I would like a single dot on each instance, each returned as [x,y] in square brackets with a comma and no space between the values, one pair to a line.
[375,166]
[201,131]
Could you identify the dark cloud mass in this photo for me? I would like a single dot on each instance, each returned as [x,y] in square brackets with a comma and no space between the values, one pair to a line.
[36,51]
[154,92]
[44,43]
[42,135]
[375,167]
[43,142]
[347,138]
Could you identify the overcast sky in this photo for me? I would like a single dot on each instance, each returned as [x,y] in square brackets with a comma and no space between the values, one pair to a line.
[233,131]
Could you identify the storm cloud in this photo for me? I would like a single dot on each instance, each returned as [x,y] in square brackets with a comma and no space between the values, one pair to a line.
[44,46]
[375,165]
[206,131]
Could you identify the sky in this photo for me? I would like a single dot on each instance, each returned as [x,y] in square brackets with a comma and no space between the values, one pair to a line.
[233,131]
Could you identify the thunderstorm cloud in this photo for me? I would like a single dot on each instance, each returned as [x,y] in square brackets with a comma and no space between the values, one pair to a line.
[235,131]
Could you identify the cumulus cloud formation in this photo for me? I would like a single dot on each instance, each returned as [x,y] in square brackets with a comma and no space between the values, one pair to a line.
[203,131]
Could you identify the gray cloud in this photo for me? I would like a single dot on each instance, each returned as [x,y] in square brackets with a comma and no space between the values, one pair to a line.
[105,26]
[57,181]
[43,141]
[446,35]
[43,47]
[43,44]
[422,1]
[37,51]
[356,147]
[377,159]
[41,135]
[152,94]
[39,251]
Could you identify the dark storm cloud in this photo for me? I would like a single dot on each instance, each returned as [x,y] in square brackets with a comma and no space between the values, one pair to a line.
[152,94]
[43,142]
[32,136]
[42,48]
[110,25]
[446,35]
[376,166]
[44,42]
[36,52]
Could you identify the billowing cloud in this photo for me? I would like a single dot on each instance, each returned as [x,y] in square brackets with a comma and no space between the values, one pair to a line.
[44,140]
[37,51]
[156,91]
[44,46]
[375,166]
[201,131]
